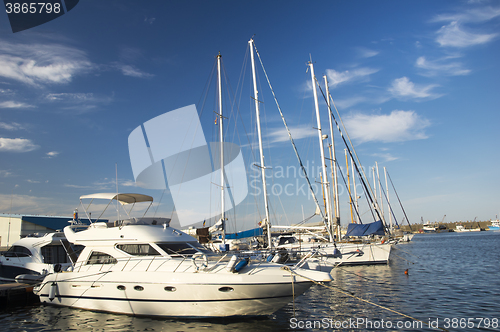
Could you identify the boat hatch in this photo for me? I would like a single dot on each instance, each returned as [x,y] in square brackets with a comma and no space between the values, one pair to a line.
[182,248]
[138,249]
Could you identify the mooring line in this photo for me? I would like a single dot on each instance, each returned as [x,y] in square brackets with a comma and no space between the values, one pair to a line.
[361,299]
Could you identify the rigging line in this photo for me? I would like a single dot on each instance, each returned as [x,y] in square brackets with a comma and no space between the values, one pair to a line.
[290,135]
[388,203]
[206,88]
[401,204]
[306,220]
[367,188]
[354,207]
[348,137]
[158,205]
[340,290]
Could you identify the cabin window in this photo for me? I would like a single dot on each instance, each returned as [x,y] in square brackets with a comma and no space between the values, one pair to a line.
[138,249]
[18,251]
[54,255]
[287,240]
[182,248]
[101,258]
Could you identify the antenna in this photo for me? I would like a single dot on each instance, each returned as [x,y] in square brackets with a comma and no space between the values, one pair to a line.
[117,207]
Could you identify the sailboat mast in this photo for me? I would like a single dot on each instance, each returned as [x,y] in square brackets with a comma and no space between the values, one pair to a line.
[356,206]
[348,184]
[333,158]
[380,193]
[388,201]
[322,151]
[261,150]
[221,134]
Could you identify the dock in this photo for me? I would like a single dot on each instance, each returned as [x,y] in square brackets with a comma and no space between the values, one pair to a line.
[15,294]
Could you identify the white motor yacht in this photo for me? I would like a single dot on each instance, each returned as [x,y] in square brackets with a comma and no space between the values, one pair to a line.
[142,266]
[34,256]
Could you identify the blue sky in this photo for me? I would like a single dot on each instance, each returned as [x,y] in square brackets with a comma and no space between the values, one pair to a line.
[416,84]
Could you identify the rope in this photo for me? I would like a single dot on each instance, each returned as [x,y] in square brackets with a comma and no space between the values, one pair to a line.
[361,299]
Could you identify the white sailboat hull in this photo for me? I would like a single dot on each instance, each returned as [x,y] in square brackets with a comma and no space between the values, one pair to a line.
[350,254]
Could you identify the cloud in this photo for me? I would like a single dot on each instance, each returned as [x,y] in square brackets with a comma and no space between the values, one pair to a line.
[366,53]
[17,145]
[52,154]
[4,173]
[299,132]
[26,204]
[11,126]
[399,126]
[78,102]
[335,78]
[80,97]
[149,20]
[456,36]
[39,64]
[441,66]
[129,70]
[14,104]
[474,15]
[385,156]
[404,88]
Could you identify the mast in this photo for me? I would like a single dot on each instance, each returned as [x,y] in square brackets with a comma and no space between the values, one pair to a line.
[333,161]
[348,184]
[375,204]
[261,150]
[356,206]
[380,193]
[322,151]
[221,134]
[388,201]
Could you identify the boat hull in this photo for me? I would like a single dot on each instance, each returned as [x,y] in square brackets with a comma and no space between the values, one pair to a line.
[347,254]
[183,296]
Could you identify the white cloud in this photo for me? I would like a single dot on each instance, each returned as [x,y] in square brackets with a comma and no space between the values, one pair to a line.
[335,78]
[14,104]
[52,154]
[4,173]
[70,97]
[456,36]
[474,15]
[149,20]
[367,53]
[38,64]
[299,132]
[129,70]
[385,156]
[78,103]
[26,204]
[404,88]
[399,126]
[441,66]
[11,126]
[17,145]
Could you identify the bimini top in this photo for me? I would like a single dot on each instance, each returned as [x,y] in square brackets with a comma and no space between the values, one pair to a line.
[122,198]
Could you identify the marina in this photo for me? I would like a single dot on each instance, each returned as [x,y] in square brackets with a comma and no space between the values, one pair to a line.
[450,275]
[316,182]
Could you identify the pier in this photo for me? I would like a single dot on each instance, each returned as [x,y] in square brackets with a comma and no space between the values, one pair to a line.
[15,294]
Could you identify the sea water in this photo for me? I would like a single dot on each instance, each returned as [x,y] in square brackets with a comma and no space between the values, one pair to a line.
[452,282]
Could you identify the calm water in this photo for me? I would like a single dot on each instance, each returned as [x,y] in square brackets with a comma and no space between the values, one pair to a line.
[450,276]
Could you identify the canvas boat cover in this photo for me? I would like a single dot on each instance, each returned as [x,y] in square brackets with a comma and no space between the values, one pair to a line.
[375,228]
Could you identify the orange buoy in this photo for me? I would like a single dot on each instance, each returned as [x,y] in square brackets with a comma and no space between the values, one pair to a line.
[406,271]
